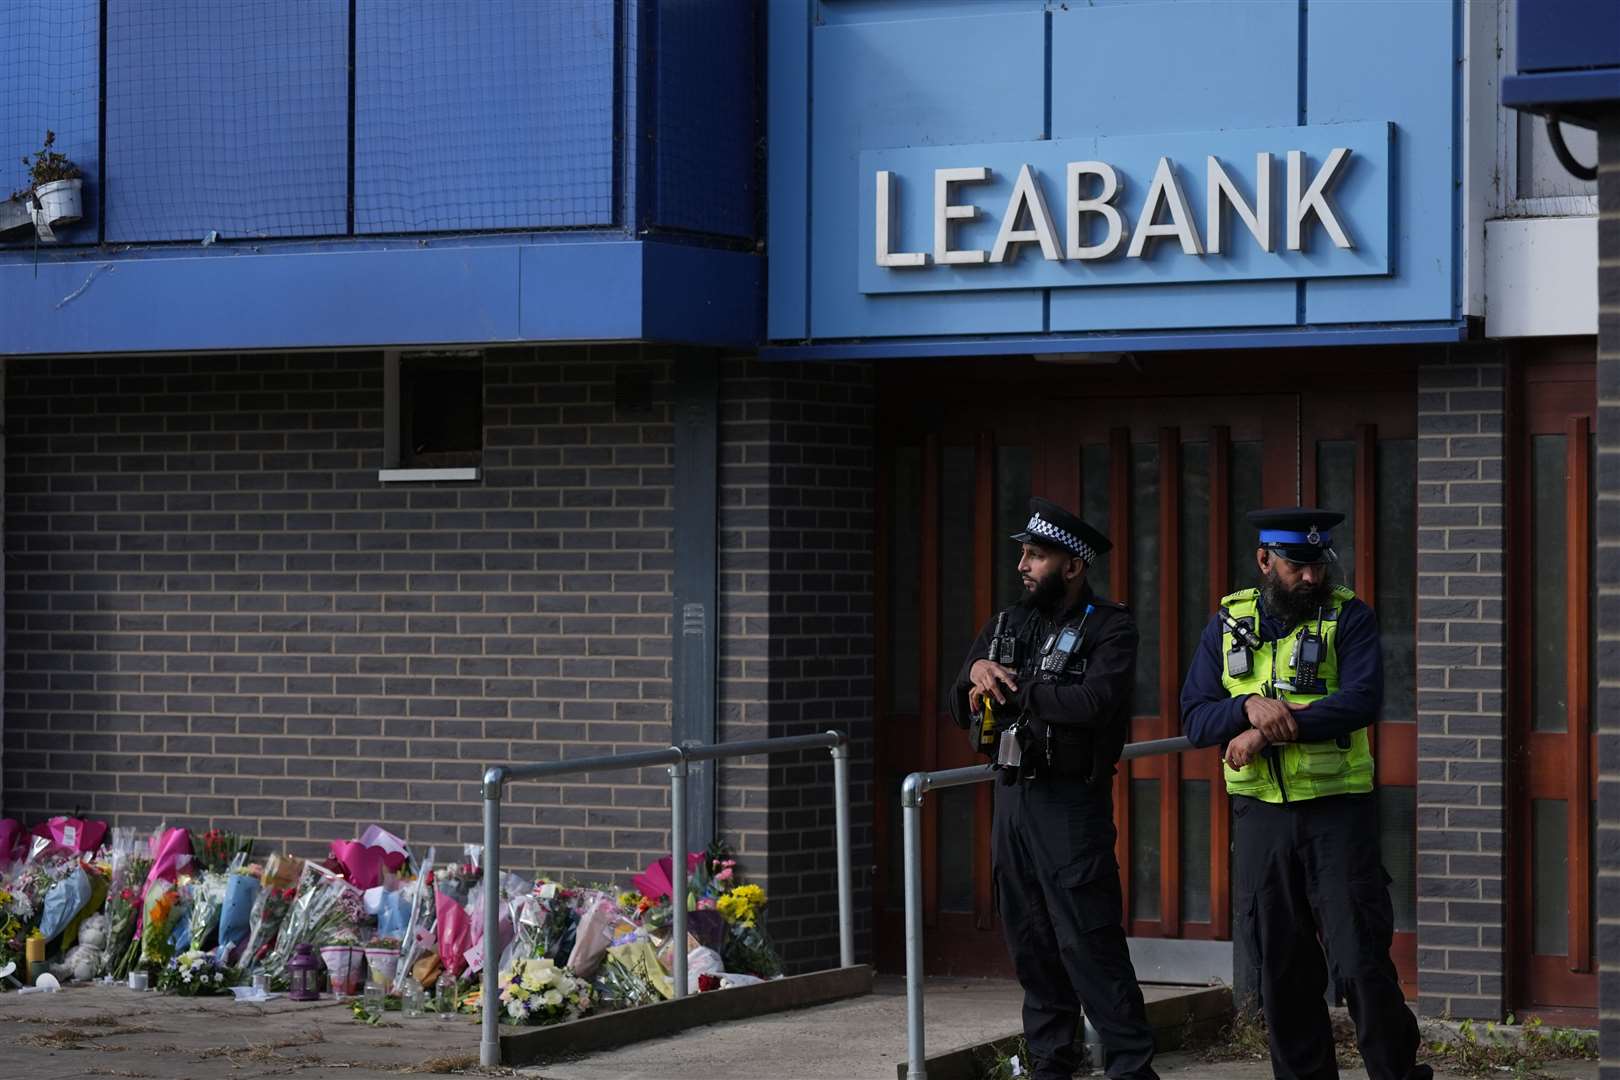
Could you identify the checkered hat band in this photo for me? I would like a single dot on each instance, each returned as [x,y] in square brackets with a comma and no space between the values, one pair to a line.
[1039,526]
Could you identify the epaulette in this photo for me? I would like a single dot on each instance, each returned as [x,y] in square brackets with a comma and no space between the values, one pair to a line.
[1117,605]
[1241,594]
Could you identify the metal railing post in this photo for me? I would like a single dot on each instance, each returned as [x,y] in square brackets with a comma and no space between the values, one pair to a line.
[489,1047]
[911,797]
[677,871]
[846,899]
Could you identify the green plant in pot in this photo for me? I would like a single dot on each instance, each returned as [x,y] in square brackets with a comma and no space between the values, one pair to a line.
[54,183]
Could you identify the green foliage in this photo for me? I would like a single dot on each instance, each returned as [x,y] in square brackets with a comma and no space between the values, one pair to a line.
[1000,1066]
[1511,1050]
[47,165]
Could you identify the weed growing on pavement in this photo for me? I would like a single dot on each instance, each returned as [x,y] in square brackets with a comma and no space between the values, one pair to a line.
[1517,1051]
[1000,1067]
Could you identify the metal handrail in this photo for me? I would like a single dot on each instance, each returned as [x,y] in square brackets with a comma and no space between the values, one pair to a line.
[911,799]
[677,758]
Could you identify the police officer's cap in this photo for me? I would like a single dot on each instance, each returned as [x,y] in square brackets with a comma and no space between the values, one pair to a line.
[1300,534]
[1052,526]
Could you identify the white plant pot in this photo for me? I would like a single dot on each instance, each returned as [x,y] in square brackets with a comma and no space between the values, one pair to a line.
[62,201]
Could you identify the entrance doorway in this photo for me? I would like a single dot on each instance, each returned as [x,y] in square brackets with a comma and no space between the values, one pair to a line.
[1552,683]
[1166,466]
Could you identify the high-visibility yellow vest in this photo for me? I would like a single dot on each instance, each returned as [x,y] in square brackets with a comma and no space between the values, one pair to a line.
[1291,772]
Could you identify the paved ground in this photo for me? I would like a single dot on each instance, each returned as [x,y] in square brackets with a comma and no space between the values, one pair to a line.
[111,1031]
[114,1032]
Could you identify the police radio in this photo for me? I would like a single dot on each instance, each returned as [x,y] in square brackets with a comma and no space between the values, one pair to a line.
[1310,649]
[1240,660]
[1058,654]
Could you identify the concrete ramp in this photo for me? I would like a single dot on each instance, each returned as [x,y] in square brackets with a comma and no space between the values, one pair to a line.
[861,1038]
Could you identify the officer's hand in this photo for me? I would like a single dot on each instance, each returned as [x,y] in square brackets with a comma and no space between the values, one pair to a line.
[988,678]
[1271,717]
[1245,748]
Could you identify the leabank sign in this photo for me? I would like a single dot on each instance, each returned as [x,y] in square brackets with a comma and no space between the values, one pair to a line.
[1262,204]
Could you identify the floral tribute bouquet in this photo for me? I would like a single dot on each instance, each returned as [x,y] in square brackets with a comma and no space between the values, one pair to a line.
[129,866]
[159,914]
[217,850]
[194,974]
[323,905]
[536,991]
[420,929]
[207,898]
[547,919]
[15,911]
[716,884]
[452,889]
[270,906]
[747,950]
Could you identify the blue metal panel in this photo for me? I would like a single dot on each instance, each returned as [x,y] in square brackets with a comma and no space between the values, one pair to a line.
[307,300]
[333,297]
[701,295]
[833,12]
[1125,68]
[495,115]
[1382,60]
[1586,89]
[927,81]
[228,117]
[1046,344]
[50,80]
[787,124]
[1562,34]
[1359,200]
[707,127]
[577,292]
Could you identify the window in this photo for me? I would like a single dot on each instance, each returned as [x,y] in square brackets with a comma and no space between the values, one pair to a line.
[434,415]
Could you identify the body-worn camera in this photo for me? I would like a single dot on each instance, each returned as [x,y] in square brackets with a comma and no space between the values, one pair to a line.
[1240,659]
[1003,644]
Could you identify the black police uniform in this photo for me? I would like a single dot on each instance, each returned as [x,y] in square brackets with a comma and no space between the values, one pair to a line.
[1052,840]
[1311,868]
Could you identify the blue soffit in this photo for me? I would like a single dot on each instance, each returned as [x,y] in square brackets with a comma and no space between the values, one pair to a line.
[327,296]
[1083,348]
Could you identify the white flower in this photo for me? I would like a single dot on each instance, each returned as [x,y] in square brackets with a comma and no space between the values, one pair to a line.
[185,974]
[514,1009]
[551,998]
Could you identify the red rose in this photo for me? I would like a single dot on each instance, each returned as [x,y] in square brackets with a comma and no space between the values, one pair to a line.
[707,982]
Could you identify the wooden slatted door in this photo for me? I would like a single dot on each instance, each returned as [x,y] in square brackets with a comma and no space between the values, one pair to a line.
[1169,478]
[1551,683]
[1359,456]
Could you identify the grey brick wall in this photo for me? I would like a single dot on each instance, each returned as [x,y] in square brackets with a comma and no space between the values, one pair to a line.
[1461,685]
[216,614]
[1607,713]
[796,654]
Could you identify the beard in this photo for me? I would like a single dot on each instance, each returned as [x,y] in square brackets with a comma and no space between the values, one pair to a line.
[1047,594]
[1299,603]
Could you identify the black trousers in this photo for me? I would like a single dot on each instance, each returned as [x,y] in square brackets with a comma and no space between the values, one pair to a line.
[1057,888]
[1310,869]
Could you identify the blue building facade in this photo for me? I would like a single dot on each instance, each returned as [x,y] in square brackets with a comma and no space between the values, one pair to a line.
[336,174]
[418,390]
[869,102]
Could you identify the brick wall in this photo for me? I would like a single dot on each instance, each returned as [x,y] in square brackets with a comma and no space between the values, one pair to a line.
[215,613]
[1606,714]
[796,654]
[1461,685]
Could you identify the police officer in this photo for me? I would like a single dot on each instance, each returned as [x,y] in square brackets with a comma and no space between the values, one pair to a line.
[1055,674]
[1287,679]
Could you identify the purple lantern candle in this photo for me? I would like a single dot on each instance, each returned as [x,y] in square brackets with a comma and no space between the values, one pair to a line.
[303,974]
